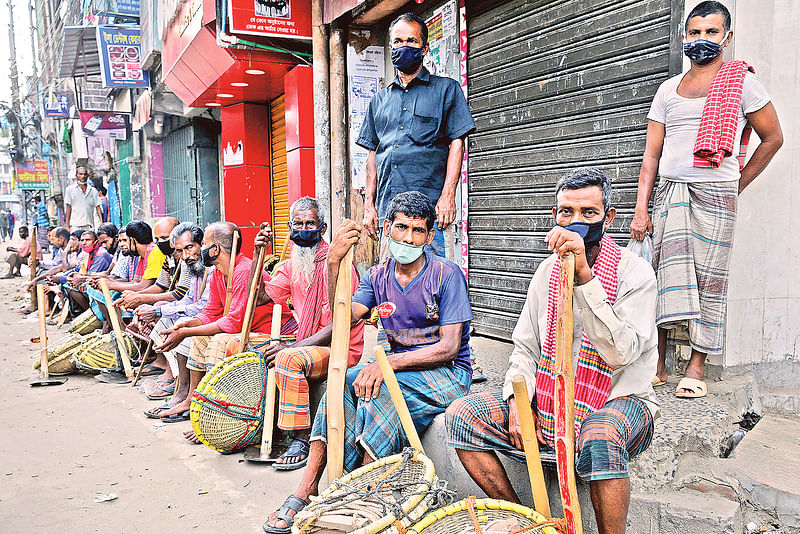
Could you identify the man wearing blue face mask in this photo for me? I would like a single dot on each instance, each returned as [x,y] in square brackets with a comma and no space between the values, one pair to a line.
[697,135]
[414,131]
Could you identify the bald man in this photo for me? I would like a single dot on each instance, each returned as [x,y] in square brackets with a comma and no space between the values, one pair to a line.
[212,328]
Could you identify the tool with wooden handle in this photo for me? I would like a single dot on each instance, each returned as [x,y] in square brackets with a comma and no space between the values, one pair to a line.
[114,318]
[531,446]
[45,379]
[397,398]
[337,366]
[33,262]
[564,399]
[231,269]
[255,278]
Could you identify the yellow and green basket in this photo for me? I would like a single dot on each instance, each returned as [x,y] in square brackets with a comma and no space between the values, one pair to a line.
[485,516]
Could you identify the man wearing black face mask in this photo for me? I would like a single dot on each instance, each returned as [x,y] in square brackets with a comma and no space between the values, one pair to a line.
[414,131]
[615,336]
[697,135]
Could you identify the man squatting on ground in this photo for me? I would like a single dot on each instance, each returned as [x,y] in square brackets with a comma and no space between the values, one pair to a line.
[426,316]
[210,330]
[696,201]
[304,278]
[614,355]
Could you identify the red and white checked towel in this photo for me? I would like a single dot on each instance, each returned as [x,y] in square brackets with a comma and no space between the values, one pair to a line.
[721,118]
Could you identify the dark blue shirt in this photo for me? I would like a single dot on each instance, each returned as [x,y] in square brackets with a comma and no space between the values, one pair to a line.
[410,129]
[413,315]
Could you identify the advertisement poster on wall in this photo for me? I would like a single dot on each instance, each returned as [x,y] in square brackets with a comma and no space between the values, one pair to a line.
[57,106]
[120,57]
[271,18]
[33,175]
[128,8]
[104,124]
[365,73]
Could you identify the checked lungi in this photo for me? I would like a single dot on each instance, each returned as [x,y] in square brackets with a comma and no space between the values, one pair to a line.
[693,227]
[374,425]
[183,348]
[207,351]
[609,437]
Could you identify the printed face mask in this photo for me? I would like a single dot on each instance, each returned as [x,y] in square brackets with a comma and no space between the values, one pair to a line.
[405,253]
[591,233]
[305,238]
[703,51]
[208,259]
[87,249]
[165,247]
[407,58]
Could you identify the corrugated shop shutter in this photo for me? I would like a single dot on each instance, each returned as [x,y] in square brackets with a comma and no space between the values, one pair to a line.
[180,182]
[552,86]
[280,184]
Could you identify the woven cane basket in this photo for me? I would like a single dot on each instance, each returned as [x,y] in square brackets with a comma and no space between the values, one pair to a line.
[85,323]
[59,354]
[100,354]
[227,408]
[492,517]
[405,480]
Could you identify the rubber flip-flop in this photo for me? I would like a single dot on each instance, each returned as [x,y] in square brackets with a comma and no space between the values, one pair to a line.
[694,388]
[112,378]
[176,417]
[152,370]
[152,413]
[658,382]
[162,393]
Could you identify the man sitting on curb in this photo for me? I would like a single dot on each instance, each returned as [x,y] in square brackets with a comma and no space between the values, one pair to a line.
[211,329]
[426,314]
[614,353]
[19,256]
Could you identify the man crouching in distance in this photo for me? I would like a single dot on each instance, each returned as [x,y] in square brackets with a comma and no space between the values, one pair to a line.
[615,348]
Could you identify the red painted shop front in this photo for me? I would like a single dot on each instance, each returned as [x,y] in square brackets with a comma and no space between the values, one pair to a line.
[242,83]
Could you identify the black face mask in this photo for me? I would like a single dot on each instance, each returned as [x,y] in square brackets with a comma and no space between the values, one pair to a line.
[591,233]
[208,259]
[132,252]
[113,248]
[197,267]
[165,247]
[306,238]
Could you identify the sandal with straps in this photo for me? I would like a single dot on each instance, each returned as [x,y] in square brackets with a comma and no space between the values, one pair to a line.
[298,447]
[291,503]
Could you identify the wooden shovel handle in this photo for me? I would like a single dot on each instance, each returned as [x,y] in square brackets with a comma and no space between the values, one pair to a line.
[112,316]
[256,278]
[269,407]
[42,331]
[531,446]
[397,398]
[231,271]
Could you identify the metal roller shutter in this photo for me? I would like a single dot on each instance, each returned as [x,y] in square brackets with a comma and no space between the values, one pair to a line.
[552,86]
[280,184]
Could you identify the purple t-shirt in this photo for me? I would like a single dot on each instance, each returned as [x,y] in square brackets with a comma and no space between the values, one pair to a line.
[412,315]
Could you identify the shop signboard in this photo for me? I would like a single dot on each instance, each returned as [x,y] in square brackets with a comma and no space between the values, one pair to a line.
[127,8]
[57,106]
[120,57]
[104,124]
[271,18]
[33,174]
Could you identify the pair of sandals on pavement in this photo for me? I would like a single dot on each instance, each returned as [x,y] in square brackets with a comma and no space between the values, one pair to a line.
[687,388]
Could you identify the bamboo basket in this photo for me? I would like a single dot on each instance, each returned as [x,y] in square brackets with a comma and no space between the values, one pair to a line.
[416,482]
[100,354]
[457,518]
[59,354]
[85,323]
[227,409]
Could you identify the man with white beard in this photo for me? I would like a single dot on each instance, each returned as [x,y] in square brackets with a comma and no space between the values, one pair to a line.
[304,278]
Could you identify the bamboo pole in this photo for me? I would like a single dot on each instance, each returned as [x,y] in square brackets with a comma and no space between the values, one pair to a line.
[272,386]
[33,262]
[564,399]
[251,300]
[397,399]
[231,269]
[42,334]
[337,366]
[112,316]
[531,446]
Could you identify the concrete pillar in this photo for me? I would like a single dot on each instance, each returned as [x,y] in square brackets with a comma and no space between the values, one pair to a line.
[299,104]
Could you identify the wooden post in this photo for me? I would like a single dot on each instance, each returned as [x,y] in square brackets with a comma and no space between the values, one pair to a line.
[531,446]
[337,366]
[397,399]
[33,262]
[231,268]
[112,316]
[564,399]
[39,289]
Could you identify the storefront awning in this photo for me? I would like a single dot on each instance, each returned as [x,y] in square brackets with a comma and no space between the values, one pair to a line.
[79,56]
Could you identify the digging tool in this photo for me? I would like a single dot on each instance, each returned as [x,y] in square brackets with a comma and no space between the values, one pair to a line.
[33,262]
[337,366]
[397,399]
[45,379]
[531,446]
[564,399]
[231,269]
[112,315]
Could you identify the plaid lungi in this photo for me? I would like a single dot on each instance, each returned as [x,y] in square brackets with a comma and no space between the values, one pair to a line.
[693,227]
[95,297]
[294,367]
[207,351]
[183,348]
[609,437]
[375,426]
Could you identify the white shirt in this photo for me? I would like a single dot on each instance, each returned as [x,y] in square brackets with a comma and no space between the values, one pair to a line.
[84,205]
[681,118]
[624,333]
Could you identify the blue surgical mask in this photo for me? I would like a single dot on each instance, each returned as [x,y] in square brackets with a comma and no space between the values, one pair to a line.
[306,238]
[591,233]
[404,253]
[407,58]
[703,51]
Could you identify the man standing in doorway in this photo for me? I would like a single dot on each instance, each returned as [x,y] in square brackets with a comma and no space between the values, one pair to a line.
[698,123]
[81,203]
[414,131]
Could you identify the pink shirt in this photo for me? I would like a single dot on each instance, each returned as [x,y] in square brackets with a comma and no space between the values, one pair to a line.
[280,288]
